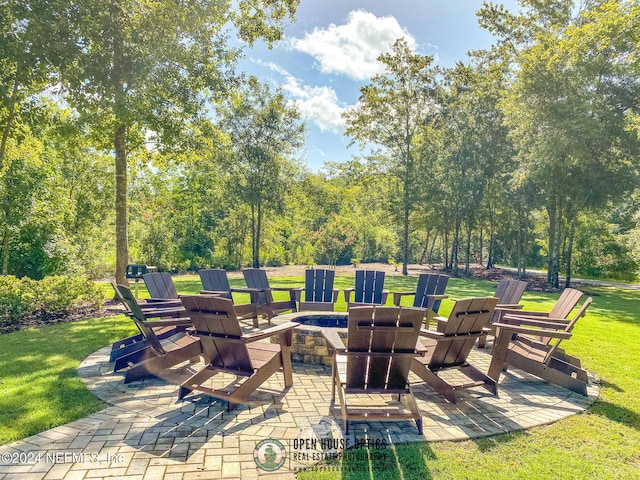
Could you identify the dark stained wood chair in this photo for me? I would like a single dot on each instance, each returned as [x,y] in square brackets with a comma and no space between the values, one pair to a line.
[369,289]
[158,354]
[138,342]
[161,288]
[508,292]
[319,293]
[382,345]
[428,295]
[262,295]
[227,350]
[449,347]
[533,345]
[216,282]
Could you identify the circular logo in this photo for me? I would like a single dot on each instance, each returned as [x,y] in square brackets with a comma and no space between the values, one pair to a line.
[269,455]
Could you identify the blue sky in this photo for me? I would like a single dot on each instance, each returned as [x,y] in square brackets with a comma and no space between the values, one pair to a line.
[331,51]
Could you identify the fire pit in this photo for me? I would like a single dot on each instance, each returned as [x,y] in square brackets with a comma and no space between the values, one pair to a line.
[309,345]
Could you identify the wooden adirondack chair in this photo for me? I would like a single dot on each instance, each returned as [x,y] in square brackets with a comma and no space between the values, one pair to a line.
[138,342]
[227,350]
[508,292]
[382,345]
[159,354]
[319,293]
[428,295]
[450,346]
[369,289]
[216,282]
[532,345]
[161,288]
[256,280]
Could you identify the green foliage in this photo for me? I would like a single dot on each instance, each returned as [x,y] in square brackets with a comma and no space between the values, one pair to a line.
[51,296]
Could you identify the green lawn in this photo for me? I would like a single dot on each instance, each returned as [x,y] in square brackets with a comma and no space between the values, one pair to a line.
[40,390]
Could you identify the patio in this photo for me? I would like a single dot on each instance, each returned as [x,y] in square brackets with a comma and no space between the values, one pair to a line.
[147,433]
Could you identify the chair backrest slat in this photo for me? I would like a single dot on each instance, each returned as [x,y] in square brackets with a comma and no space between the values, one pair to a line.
[567,302]
[319,285]
[220,334]
[257,278]
[215,279]
[430,284]
[381,330]
[125,295]
[467,319]
[369,286]
[160,285]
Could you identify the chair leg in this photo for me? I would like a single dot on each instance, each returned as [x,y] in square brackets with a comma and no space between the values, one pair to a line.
[434,381]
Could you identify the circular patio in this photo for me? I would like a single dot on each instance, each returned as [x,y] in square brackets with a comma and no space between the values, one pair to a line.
[200,423]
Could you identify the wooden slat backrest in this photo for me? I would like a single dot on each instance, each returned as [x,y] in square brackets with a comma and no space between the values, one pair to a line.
[567,302]
[215,279]
[160,285]
[468,316]
[369,286]
[579,314]
[508,292]
[135,313]
[319,285]
[430,284]
[216,323]
[257,278]
[380,330]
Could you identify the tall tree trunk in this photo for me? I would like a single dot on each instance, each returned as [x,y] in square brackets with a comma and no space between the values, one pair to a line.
[122,242]
[445,247]
[256,258]
[455,246]
[467,262]
[5,251]
[253,236]
[433,245]
[572,228]
[491,252]
[10,118]
[481,246]
[426,246]
[552,212]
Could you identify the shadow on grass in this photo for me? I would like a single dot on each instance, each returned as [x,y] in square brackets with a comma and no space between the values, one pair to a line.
[616,413]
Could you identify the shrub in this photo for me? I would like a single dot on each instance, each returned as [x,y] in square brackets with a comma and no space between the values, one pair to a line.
[51,296]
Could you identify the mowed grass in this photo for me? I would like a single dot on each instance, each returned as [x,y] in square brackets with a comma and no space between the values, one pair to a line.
[40,390]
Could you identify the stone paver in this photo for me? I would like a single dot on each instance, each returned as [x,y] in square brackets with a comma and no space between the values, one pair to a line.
[146,433]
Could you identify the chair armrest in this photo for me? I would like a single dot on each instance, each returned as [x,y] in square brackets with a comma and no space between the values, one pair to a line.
[385,296]
[509,306]
[347,295]
[163,312]
[218,293]
[246,308]
[516,320]
[333,340]
[269,332]
[175,322]
[167,301]
[336,292]
[397,297]
[283,289]
[538,332]
[522,313]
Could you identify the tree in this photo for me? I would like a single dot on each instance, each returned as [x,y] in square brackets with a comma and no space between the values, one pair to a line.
[390,113]
[265,131]
[574,90]
[142,69]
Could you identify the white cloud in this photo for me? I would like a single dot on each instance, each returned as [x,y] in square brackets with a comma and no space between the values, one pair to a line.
[352,49]
[317,105]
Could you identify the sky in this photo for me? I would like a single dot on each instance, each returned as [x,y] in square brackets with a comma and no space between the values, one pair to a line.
[331,50]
